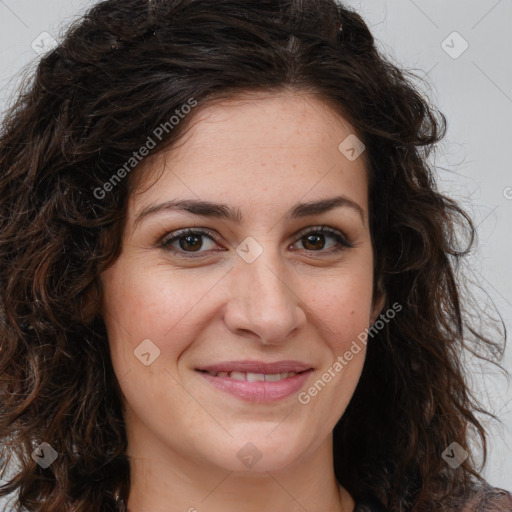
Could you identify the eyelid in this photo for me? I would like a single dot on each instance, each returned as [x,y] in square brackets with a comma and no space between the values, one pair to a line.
[166,240]
[340,237]
[337,234]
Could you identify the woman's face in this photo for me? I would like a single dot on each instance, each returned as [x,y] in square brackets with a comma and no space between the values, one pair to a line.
[254,289]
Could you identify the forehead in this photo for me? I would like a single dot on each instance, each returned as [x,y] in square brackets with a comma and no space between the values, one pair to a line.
[277,145]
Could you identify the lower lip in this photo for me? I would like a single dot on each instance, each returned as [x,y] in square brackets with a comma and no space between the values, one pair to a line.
[259,391]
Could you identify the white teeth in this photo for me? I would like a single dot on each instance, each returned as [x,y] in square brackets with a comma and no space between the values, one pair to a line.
[275,377]
[254,377]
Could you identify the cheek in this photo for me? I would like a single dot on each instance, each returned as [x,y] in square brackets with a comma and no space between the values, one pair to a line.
[343,304]
[151,303]
[146,313]
[342,307]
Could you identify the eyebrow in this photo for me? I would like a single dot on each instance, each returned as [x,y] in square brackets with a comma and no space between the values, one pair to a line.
[223,211]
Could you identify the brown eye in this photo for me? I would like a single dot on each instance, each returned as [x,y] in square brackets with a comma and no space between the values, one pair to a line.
[189,241]
[192,242]
[315,240]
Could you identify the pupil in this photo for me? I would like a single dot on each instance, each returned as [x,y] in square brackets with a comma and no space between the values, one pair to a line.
[312,238]
[189,239]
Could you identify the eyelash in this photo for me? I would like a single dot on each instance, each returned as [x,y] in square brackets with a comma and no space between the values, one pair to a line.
[341,240]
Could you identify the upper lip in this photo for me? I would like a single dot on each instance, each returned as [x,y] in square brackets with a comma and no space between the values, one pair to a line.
[257,367]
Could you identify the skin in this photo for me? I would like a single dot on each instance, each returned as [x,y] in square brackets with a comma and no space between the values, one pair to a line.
[298,300]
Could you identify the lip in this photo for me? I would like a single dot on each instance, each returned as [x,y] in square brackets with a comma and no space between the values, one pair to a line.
[258,367]
[258,391]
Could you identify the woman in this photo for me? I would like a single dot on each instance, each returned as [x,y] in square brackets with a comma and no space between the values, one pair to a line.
[228,280]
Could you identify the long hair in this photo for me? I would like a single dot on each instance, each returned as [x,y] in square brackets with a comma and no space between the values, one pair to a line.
[118,76]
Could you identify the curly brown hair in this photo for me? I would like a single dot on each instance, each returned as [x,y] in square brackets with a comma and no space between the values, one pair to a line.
[119,72]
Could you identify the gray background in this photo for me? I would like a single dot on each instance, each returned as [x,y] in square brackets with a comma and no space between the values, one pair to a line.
[474,90]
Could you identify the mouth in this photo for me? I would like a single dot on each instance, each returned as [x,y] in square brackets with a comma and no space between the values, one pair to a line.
[253,377]
[256,381]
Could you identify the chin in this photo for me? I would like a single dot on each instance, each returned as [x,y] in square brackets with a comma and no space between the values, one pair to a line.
[254,450]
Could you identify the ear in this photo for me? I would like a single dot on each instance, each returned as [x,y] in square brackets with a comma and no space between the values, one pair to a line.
[91,303]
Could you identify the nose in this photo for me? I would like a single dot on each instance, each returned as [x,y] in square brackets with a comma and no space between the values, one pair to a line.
[263,302]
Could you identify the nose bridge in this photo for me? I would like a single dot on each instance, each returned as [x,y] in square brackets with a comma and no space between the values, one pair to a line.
[268,282]
[263,300]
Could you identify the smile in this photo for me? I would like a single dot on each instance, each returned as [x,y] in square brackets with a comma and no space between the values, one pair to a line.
[254,377]
[257,387]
